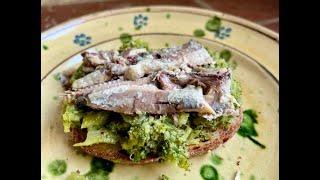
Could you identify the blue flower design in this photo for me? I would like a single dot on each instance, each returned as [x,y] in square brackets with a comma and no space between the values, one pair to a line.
[82,39]
[139,21]
[223,32]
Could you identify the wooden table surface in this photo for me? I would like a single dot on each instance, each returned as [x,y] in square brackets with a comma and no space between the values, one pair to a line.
[263,12]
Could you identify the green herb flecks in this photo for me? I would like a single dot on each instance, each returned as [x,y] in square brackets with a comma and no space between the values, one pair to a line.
[208,172]
[215,159]
[57,167]
[79,73]
[120,28]
[199,33]
[247,128]
[166,44]
[138,43]
[213,24]
[148,9]
[55,97]
[168,16]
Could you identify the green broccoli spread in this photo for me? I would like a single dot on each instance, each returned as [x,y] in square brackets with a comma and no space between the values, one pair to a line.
[79,73]
[143,135]
[134,44]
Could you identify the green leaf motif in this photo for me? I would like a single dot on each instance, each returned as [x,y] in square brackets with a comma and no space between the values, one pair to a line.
[208,172]
[253,114]
[199,33]
[57,167]
[247,128]
[125,38]
[225,54]
[45,47]
[100,169]
[213,24]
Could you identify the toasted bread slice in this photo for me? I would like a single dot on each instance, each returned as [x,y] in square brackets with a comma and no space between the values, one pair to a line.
[113,152]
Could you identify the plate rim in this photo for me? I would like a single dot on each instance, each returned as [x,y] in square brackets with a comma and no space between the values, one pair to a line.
[225,16]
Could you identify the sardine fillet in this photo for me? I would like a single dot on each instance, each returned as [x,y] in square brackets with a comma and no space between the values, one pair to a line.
[148,98]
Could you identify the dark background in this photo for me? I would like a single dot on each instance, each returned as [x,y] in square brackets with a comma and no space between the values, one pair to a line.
[263,12]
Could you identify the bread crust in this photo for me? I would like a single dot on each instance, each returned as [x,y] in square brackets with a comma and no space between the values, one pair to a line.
[113,153]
